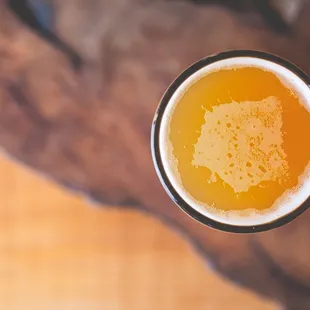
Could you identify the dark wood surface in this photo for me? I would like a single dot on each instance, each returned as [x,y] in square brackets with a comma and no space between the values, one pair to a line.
[87,126]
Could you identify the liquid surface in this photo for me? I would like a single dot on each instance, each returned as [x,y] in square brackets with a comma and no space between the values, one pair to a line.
[239,139]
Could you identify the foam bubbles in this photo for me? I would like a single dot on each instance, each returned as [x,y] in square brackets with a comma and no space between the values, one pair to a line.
[257,123]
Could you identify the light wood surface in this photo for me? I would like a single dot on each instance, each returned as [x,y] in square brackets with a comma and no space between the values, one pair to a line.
[59,252]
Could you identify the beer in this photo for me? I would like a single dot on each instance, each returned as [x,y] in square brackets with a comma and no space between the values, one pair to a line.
[234,141]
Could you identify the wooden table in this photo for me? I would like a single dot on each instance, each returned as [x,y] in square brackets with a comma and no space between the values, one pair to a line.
[77,104]
[60,252]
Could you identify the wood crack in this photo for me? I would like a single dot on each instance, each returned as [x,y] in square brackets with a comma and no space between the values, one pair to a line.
[24,12]
[25,105]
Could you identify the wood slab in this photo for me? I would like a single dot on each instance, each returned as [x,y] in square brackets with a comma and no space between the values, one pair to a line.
[88,127]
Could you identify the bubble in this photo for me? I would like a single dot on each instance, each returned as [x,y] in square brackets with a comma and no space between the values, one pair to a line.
[249,164]
[261,168]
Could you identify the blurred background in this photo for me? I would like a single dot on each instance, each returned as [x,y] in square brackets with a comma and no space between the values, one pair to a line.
[79,84]
[60,252]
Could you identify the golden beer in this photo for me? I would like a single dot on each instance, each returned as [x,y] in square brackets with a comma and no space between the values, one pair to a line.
[234,141]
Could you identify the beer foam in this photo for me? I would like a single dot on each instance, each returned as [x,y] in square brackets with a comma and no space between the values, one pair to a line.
[259,145]
[246,149]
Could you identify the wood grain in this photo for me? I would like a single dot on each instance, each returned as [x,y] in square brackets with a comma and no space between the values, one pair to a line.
[58,252]
[89,128]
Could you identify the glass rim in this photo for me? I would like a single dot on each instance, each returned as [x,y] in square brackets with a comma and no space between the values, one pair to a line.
[155,143]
